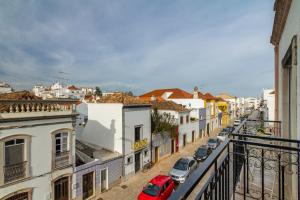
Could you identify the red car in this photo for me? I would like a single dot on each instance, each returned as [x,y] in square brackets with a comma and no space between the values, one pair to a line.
[159,188]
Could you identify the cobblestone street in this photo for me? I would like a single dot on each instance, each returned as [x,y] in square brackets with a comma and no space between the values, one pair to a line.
[130,189]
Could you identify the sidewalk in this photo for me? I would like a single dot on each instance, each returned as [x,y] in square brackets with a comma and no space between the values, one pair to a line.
[130,189]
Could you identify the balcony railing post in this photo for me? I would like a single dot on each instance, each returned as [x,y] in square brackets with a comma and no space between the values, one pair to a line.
[298,163]
[282,186]
[279,176]
[247,157]
[216,180]
[228,172]
[262,175]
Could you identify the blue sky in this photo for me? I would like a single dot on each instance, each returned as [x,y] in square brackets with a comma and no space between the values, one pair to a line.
[139,45]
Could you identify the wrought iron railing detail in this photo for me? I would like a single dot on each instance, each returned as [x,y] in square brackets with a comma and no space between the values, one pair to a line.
[247,166]
[62,159]
[15,172]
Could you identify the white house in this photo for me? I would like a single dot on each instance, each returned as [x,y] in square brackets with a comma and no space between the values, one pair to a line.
[120,124]
[268,97]
[37,147]
[5,88]
[188,129]
[194,102]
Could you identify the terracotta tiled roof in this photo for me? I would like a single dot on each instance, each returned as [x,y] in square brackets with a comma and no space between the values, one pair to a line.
[22,95]
[200,95]
[176,93]
[148,99]
[169,105]
[72,87]
[209,96]
[225,96]
[124,99]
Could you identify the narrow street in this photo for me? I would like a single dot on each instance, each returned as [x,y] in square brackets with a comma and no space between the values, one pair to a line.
[130,189]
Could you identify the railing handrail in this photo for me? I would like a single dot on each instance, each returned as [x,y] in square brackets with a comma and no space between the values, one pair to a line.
[257,120]
[58,101]
[17,164]
[280,147]
[280,139]
[183,191]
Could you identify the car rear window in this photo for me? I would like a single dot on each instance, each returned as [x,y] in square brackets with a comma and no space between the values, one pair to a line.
[152,190]
[212,141]
[181,165]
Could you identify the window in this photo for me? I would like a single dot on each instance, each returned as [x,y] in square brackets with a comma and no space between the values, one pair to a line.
[61,143]
[181,119]
[137,133]
[88,185]
[187,119]
[146,153]
[129,160]
[20,196]
[191,163]
[14,152]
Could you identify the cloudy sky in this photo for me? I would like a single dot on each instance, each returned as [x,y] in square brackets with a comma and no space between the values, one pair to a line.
[138,45]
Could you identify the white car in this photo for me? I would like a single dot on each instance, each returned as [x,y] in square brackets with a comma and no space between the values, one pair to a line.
[236,122]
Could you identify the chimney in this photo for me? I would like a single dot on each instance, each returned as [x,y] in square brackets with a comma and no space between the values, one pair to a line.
[195,94]
[153,98]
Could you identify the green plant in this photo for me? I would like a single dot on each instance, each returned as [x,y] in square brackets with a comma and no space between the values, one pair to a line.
[98,92]
[163,123]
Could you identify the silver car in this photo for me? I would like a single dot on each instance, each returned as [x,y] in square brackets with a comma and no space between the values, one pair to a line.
[213,142]
[182,169]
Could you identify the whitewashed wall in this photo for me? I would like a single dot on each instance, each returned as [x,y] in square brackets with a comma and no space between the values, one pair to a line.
[40,156]
[104,126]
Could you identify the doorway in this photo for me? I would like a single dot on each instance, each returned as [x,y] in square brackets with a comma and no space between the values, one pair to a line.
[21,196]
[172,146]
[193,136]
[61,189]
[207,129]
[103,180]
[137,162]
[156,154]
[184,140]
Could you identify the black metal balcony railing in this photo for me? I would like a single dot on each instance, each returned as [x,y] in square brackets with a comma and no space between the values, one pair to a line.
[62,159]
[247,166]
[15,172]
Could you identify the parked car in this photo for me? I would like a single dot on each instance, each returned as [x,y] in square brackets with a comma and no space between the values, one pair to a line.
[213,142]
[159,188]
[182,169]
[202,153]
[236,122]
[222,135]
[230,129]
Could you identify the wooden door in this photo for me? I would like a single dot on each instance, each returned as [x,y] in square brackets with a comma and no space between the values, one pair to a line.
[156,154]
[61,189]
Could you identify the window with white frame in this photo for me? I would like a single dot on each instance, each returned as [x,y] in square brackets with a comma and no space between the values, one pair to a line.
[14,151]
[61,142]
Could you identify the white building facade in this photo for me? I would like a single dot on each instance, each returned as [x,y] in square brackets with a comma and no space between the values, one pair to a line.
[125,129]
[37,149]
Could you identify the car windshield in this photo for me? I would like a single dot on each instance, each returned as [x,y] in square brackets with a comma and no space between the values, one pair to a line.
[152,189]
[181,165]
[201,152]
[212,141]
[222,133]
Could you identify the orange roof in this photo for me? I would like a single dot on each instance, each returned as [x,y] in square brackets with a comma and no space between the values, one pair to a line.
[22,95]
[169,105]
[176,93]
[148,99]
[209,96]
[122,98]
[72,87]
